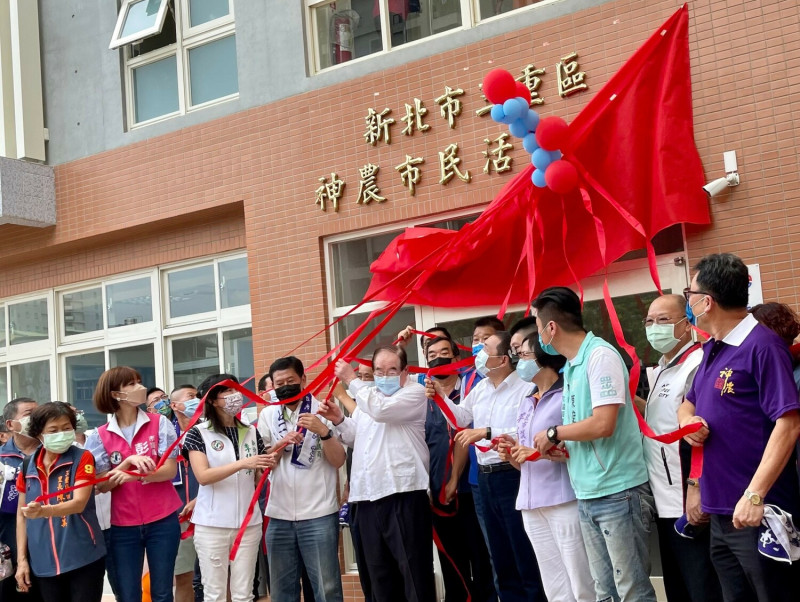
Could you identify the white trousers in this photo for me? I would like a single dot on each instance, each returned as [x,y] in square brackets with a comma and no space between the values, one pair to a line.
[555,533]
[213,545]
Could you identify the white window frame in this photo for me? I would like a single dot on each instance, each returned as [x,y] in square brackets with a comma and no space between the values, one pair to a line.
[49,357]
[63,337]
[187,38]
[140,329]
[117,41]
[33,348]
[4,312]
[478,19]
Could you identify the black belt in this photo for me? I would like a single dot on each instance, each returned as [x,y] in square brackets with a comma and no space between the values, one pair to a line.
[496,467]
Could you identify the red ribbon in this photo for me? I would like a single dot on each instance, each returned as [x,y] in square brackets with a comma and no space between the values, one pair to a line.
[430,335]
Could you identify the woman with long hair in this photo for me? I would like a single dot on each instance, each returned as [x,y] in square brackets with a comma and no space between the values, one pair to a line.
[144,504]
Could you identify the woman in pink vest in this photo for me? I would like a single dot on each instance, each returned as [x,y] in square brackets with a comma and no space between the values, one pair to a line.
[144,505]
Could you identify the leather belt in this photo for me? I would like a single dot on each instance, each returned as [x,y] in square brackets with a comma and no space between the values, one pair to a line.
[496,467]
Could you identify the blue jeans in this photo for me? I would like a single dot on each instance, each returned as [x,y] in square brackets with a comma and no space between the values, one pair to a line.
[313,543]
[616,531]
[160,540]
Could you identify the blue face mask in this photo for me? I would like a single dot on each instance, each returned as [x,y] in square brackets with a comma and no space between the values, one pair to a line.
[476,348]
[548,347]
[388,385]
[527,369]
[690,315]
[162,407]
[190,407]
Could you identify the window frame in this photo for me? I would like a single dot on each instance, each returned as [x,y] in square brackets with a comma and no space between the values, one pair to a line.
[117,41]
[93,335]
[186,39]
[31,348]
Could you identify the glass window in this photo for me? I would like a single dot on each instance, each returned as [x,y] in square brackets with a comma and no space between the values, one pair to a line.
[138,19]
[234,285]
[237,349]
[129,302]
[491,8]
[351,261]
[191,291]
[82,374]
[346,30]
[31,380]
[27,321]
[203,11]
[2,326]
[141,358]
[155,89]
[195,358]
[3,387]
[83,311]
[388,334]
[212,70]
[414,20]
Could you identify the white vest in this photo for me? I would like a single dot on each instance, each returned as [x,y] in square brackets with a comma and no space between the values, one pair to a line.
[224,504]
[667,389]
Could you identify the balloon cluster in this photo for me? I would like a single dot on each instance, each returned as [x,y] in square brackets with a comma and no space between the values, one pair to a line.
[544,138]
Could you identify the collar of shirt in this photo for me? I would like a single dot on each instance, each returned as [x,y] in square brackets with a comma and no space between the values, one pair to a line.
[737,336]
[508,381]
[141,420]
[662,361]
[581,355]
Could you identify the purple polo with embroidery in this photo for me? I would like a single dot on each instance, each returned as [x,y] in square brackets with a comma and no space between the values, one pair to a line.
[743,385]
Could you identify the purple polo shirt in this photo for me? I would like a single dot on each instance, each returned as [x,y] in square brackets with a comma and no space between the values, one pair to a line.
[743,385]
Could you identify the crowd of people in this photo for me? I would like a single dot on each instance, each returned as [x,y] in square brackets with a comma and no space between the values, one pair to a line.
[528,467]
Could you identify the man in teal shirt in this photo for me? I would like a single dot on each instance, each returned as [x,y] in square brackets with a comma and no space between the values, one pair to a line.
[606,460]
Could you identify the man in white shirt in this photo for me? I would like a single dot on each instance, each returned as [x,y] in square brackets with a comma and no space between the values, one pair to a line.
[492,409]
[303,505]
[688,572]
[389,478]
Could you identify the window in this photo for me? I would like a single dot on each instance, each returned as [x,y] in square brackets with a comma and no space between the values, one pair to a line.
[31,379]
[195,358]
[82,372]
[2,327]
[238,351]
[351,261]
[178,57]
[129,302]
[191,291]
[28,322]
[342,30]
[3,387]
[82,311]
[234,286]
[141,358]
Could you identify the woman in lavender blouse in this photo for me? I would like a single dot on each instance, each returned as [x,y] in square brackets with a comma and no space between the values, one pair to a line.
[546,499]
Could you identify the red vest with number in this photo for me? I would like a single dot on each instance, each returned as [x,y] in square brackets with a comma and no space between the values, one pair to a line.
[135,503]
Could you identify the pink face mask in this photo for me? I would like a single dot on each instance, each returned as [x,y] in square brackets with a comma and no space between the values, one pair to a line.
[134,397]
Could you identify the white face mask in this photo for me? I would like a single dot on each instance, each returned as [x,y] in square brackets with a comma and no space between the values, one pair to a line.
[662,337]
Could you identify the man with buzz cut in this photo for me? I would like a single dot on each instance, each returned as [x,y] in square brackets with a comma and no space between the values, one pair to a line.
[606,463]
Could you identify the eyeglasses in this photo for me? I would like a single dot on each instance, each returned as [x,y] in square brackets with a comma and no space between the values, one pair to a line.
[526,355]
[688,291]
[661,320]
[381,373]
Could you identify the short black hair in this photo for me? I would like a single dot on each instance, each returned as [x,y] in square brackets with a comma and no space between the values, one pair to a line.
[504,344]
[287,363]
[181,387]
[724,277]
[442,329]
[262,383]
[153,390]
[453,346]
[527,325]
[47,412]
[561,305]
[12,407]
[492,321]
[545,360]
[398,351]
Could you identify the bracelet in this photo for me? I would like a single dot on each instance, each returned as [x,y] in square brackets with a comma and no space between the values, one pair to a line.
[328,436]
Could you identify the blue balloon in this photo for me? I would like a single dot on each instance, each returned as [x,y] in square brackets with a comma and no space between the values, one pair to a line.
[512,109]
[537,177]
[518,129]
[555,155]
[497,113]
[507,120]
[532,120]
[529,143]
[541,159]
[524,104]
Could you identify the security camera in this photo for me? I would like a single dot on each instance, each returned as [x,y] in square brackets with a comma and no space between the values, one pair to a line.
[731,176]
[714,188]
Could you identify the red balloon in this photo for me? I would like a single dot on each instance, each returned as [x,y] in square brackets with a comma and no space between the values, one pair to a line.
[561,176]
[552,133]
[523,92]
[499,85]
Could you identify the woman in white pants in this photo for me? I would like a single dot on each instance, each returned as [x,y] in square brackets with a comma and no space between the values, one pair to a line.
[227,458]
[546,499]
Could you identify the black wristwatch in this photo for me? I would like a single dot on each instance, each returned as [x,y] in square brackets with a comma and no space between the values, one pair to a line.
[552,435]
[328,436]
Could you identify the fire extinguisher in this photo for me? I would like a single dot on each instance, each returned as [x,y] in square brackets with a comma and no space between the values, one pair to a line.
[343,42]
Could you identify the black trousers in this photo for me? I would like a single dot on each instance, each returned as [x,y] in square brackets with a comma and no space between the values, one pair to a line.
[396,540]
[744,574]
[79,585]
[463,541]
[688,573]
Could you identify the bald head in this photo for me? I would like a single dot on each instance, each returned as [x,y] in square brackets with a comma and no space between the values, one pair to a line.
[670,309]
[670,303]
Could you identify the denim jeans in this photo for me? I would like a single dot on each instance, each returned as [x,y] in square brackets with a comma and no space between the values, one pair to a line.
[313,543]
[616,530]
[160,540]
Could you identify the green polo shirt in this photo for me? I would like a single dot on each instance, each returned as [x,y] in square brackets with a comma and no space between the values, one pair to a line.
[603,466]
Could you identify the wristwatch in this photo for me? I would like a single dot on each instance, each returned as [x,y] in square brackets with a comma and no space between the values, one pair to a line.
[692,482]
[489,433]
[328,436]
[552,435]
[754,497]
